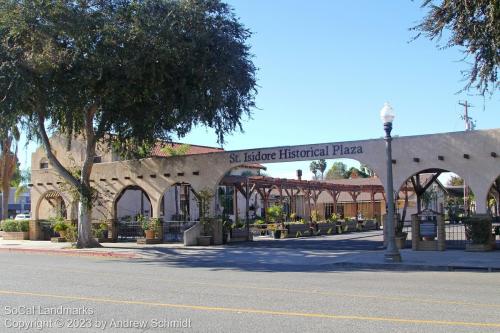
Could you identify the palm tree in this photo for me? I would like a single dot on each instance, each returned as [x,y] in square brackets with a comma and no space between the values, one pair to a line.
[322,167]
[314,168]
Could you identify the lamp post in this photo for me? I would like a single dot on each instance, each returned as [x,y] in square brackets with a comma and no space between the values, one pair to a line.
[391,252]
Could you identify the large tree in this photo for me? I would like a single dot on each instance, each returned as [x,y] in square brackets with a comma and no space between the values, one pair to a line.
[322,167]
[338,170]
[125,73]
[313,166]
[472,25]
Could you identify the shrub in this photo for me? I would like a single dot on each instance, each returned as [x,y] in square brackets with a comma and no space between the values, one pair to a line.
[478,229]
[10,225]
[59,226]
[71,233]
[315,216]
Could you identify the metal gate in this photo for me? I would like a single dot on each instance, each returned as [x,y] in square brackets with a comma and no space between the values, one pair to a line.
[173,231]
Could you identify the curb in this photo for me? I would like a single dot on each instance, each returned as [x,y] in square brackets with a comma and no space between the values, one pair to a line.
[71,252]
[417,267]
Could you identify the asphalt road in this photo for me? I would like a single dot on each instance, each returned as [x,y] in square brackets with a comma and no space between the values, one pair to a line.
[106,294]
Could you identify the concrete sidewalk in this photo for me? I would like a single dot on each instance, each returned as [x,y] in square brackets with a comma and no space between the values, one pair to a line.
[266,255]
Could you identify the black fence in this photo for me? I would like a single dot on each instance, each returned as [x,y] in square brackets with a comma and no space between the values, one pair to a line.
[456,237]
[173,231]
[129,230]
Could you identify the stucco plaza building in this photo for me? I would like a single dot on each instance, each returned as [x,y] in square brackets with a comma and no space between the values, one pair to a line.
[473,155]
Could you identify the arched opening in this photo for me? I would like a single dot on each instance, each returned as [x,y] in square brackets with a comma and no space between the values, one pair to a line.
[179,210]
[130,205]
[344,191]
[50,206]
[493,202]
[435,192]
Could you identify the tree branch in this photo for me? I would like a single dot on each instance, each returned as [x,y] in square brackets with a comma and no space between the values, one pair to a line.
[52,158]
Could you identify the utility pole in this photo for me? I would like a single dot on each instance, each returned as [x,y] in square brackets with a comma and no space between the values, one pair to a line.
[469,126]
[469,123]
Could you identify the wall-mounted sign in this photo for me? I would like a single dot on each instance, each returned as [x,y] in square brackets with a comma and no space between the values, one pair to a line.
[296,153]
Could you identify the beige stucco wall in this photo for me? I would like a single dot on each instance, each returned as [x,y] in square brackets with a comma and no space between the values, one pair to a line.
[156,175]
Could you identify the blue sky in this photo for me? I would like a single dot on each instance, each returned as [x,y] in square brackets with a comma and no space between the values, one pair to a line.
[326,68]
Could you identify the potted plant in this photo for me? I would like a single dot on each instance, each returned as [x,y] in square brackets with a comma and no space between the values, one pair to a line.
[61,227]
[103,227]
[275,215]
[146,227]
[205,197]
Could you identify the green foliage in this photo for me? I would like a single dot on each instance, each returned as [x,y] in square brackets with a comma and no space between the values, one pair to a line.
[315,216]
[178,63]
[176,151]
[122,73]
[99,230]
[260,222]
[337,171]
[329,231]
[11,225]
[334,217]
[205,197]
[71,233]
[238,224]
[478,228]
[313,166]
[143,222]
[60,225]
[455,181]
[275,213]
[318,166]
[473,26]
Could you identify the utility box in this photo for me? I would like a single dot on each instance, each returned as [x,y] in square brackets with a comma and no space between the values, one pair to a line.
[428,231]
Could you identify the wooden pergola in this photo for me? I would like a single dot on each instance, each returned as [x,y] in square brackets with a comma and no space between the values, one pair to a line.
[290,188]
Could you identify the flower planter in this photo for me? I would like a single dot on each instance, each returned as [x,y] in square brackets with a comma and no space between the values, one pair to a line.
[323,228]
[470,247]
[16,235]
[293,229]
[150,234]
[204,240]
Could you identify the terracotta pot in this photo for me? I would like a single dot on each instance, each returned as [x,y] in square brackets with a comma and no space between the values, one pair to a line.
[150,234]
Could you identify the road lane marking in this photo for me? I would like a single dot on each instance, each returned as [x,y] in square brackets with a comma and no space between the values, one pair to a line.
[254,311]
[285,290]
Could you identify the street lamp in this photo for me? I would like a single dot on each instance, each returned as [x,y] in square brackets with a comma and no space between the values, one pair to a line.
[391,252]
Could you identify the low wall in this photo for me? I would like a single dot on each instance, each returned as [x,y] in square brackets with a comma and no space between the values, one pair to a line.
[191,235]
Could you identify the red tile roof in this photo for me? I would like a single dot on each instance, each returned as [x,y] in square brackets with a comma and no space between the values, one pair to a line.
[194,150]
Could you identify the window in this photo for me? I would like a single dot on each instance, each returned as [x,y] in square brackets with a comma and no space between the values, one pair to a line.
[226,199]
[44,163]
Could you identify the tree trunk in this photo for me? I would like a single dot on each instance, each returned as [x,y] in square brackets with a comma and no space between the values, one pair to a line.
[5,201]
[8,164]
[85,239]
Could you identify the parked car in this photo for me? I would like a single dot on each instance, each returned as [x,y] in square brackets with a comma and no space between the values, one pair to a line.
[22,217]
